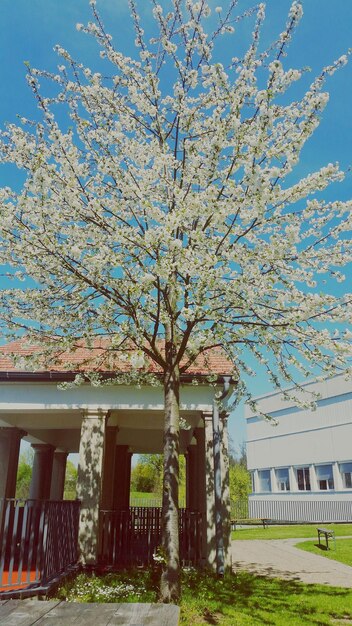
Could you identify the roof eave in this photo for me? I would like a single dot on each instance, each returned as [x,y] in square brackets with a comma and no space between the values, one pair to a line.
[47,376]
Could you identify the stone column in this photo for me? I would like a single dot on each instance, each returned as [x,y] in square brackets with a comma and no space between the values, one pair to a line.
[42,471]
[122,477]
[107,496]
[128,478]
[192,502]
[89,482]
[200,485]
[10,441]
[58,475]
[210,490]
[186,455]
[225,490]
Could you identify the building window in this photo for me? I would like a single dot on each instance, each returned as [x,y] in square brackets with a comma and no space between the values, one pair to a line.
[303,479]
[264,480]
[324,477]
[346,473]
[282,479]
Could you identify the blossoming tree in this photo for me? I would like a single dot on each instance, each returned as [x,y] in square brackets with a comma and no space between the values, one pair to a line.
[160,202]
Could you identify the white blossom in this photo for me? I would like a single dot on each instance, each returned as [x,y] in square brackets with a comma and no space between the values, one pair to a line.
[174,201]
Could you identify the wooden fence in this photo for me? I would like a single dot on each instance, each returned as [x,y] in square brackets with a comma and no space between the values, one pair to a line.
[293,510]
[152,502]
[38,542]
[132,536]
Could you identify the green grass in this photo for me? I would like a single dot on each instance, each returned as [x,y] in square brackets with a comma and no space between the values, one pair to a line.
[144,495]
[243,599]
[240,599]
[343,552]
[289,532]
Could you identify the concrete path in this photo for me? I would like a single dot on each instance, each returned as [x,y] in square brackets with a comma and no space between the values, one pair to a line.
[33,612]
[279,558]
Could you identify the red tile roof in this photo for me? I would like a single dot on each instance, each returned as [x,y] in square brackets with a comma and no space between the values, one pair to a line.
[102,357]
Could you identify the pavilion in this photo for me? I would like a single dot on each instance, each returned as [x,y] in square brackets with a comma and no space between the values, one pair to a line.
[106,424]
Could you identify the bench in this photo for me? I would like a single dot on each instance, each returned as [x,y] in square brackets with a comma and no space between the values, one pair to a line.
[250,521]
[328,534]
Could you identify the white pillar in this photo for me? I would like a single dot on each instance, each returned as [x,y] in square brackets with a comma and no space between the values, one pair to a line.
[313,478]
[210,490]
[192,501]
[256,481]
[292,478]
[42,471]
[128,478]
[10,441]
[122,477]
[89,482]
[273,481]
[107,497]
[337,477]
[200,486]
[58,475]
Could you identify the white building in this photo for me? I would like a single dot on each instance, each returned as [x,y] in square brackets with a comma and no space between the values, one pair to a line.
[302,466]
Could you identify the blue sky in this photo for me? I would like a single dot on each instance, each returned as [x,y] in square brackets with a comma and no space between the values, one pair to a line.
[29,29]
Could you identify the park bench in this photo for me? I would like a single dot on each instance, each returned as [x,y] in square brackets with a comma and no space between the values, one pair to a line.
[250,521]
[328,534]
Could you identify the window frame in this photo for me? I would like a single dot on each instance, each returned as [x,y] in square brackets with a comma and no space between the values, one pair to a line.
[329,480]
[269,481]
[282,481]
[307,485]
[348,473]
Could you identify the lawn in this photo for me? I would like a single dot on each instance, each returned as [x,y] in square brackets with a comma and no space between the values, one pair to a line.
[289,532]
[238,599]
[343,552]
[144,495]
[243,599]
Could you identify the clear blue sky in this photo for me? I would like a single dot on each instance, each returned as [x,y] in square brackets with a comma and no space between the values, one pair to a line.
[29,29]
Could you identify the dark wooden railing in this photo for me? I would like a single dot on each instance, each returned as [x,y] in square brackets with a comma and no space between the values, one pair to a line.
[132,536]
[38,542]
[153,502]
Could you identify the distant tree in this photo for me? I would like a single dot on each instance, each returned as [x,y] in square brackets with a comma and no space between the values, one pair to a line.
[24,474]
[240,482]
[240,478]
[240,455]
[143,478]
[70,481]
[147,475]
[156,463]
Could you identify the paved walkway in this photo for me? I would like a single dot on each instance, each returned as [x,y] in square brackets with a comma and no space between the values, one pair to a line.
[55,613]
[279,558]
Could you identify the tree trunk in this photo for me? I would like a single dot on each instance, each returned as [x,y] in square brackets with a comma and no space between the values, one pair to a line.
[170,578]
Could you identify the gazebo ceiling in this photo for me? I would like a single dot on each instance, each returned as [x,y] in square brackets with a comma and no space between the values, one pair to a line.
[141,430]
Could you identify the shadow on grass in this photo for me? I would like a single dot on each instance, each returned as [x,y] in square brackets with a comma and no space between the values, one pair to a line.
[247,598]
[321,547]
